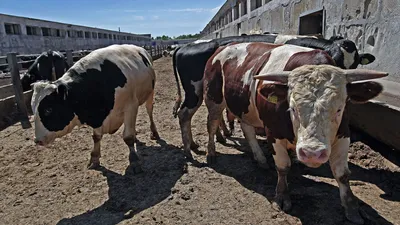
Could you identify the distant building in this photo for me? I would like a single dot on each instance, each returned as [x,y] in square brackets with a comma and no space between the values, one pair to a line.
[28,36]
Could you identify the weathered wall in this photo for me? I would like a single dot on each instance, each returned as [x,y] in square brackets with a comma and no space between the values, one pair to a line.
[374,25]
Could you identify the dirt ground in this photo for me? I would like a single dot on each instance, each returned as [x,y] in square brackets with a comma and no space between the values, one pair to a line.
[52,185]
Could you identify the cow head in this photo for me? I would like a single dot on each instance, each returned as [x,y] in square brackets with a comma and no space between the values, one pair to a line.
[317,96]
[53,116]
[41,69]
[346,55]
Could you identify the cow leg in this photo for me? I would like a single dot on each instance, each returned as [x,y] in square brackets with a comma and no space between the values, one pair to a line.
[220,138]
[185,119]
[231,121]
[149,108]
[95,155]
[227,133]
[213,122]
[341,172]
[282,163]
[250,135]
[129,136]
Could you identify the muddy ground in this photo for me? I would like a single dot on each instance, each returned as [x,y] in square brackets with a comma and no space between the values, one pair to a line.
[52,185]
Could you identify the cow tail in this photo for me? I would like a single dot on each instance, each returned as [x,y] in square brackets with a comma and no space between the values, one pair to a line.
[178,100]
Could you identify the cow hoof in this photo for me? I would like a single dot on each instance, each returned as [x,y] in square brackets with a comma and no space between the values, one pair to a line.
[228,134]
[221,139]
[155,136]
[188,155]
[282,202]
[354,216]
[93,165]
[194,146]
[211,159]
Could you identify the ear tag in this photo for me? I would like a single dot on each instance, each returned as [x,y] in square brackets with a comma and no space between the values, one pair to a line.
[364,61]
[273,99]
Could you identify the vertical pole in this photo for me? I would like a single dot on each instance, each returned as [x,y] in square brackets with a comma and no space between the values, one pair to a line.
[70,60]
[19,95]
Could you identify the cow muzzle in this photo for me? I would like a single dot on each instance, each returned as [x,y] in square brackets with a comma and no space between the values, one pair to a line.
[313,157]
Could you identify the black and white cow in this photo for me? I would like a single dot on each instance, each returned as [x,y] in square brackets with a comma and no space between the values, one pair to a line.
[45,66]
[189,62]
[102,90]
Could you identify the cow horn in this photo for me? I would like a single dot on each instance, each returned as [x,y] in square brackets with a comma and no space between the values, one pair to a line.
[281,77]
[363,74]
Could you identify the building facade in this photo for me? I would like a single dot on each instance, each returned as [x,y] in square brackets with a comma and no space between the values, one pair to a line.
[374,25]
[31,36]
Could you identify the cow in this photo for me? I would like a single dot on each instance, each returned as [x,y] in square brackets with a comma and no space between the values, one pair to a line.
[189,62]
[298,95]
[44,67]
[102,90]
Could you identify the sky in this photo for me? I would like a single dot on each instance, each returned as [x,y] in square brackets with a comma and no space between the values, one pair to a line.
[157,17]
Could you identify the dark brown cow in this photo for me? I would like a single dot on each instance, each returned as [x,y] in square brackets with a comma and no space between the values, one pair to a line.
[300,99]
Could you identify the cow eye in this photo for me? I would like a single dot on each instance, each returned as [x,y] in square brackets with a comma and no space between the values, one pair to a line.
[48,111]
[339,110]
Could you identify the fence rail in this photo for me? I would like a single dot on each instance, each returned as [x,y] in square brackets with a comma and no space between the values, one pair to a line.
[14,103]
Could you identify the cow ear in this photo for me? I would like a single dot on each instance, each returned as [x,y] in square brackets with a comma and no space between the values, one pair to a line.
[273,93]
[62,91]
[362,92]
[366,58]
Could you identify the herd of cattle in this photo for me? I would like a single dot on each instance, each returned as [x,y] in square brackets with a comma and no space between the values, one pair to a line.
[294,88]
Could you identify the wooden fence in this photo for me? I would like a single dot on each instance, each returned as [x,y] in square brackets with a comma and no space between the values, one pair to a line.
[14,103]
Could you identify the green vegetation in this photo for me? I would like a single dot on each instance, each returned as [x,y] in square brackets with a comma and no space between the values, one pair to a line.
[184,36]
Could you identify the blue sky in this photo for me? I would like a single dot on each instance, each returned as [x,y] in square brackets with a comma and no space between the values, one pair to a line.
[158,17]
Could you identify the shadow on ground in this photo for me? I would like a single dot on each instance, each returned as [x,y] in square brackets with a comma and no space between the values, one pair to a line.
[314,202]
[131,194]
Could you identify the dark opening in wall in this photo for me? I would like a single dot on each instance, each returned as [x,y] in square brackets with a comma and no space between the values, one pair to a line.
[244,7]
[30,30]
[255,4]
[312,23]
[239,29]
[236,12]
[46,31]
[12,28]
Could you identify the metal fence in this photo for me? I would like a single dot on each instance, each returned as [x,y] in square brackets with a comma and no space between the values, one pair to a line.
[14,102]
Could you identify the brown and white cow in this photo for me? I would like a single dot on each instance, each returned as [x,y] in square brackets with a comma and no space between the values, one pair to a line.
[299,98]
[102,90]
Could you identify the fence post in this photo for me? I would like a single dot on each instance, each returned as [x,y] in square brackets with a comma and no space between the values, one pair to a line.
[19,95]
[70,60]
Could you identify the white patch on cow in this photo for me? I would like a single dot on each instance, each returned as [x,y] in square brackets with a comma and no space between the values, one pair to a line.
[238,51]
[280,56]
[348,58]
[198,87]
[282,39]
[247,78]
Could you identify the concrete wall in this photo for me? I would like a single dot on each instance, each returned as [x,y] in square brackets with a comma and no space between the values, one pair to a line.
[31,44]
[374,25]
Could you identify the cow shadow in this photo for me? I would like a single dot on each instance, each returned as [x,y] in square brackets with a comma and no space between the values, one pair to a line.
[130,194]
[314,202]
[388,181]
